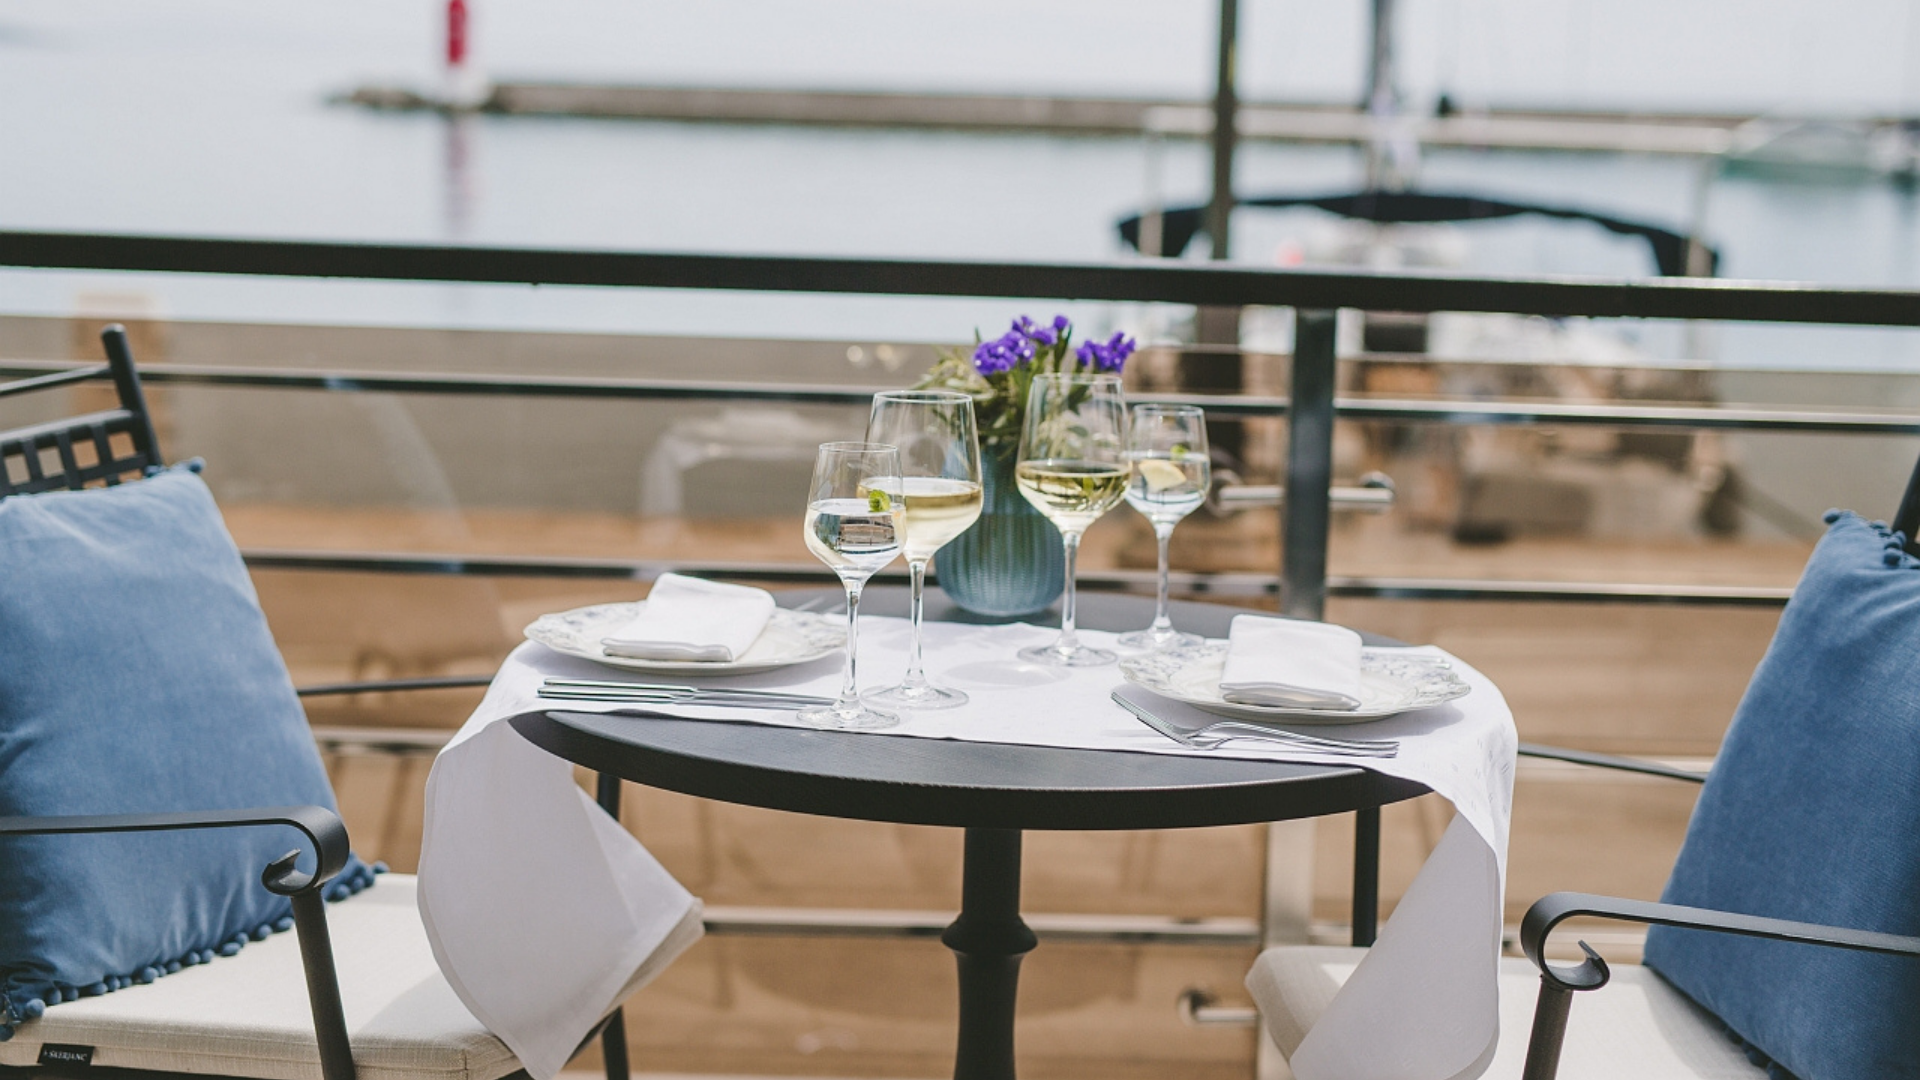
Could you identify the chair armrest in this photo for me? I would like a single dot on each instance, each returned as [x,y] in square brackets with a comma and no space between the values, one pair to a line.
[1591,974]
[322,826]
[436,682]
[1608,761]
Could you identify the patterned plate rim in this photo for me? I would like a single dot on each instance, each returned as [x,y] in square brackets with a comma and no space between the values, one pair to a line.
[1432,680]
[822,634]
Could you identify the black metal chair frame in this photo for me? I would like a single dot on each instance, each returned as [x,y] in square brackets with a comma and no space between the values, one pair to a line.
[26,451]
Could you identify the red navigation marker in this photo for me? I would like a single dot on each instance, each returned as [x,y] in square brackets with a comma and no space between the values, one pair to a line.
[456,33]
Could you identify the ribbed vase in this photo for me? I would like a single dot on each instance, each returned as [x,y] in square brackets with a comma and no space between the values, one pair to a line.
[1010,562]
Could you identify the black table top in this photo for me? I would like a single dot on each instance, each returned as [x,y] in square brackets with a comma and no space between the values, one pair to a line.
[917,781]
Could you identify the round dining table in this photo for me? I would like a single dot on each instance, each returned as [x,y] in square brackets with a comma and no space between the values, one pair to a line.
[994,791]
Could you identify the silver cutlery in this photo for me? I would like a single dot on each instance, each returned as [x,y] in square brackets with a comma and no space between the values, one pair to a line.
[596,690]
[1206,738]
[705,700]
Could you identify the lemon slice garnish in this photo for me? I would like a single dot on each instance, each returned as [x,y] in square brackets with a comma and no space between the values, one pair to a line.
[1161,474]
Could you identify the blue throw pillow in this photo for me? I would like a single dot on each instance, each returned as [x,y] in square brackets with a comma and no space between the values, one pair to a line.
[137,675]
[1812,813]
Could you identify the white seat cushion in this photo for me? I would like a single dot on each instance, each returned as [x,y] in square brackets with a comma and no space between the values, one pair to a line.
[247,1015]
[1636,1026]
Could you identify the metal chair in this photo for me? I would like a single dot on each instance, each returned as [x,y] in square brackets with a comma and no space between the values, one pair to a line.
[136,1033]
[1691,1042]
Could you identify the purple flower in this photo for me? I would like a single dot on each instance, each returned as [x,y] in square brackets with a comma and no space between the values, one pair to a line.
[1040,335]
[1003,353]
[1043,337]
[1107,356]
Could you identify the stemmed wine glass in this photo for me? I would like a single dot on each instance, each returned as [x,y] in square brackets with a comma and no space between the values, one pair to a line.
[854,525]
[1073,468]
[940,487]
[1167,445]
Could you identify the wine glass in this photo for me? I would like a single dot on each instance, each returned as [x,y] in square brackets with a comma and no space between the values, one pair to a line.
[854,525]
[1073,468]
[1167,445]
[940,487]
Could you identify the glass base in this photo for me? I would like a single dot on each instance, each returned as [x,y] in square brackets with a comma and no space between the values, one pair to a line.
[1074,656]
[922,696]
[1153,640]
[850,717]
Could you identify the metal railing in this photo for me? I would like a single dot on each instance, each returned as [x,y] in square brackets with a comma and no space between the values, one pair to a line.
[1313,294]
[1311,406]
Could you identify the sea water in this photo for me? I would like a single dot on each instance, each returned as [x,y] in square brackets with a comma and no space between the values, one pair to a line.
[213,117]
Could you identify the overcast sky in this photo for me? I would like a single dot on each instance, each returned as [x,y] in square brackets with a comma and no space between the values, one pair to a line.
[1791,55]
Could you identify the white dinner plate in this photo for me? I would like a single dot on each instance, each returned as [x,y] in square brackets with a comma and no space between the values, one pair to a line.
[791,637]
[1391,682]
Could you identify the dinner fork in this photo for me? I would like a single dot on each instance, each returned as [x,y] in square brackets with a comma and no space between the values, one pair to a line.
[1204,738]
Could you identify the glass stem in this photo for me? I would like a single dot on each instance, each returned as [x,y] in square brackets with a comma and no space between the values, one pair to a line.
[850,680]
[916,678]
[1164,534]
[1069,641]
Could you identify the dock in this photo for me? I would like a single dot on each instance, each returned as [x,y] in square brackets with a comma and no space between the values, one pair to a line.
[1594,132]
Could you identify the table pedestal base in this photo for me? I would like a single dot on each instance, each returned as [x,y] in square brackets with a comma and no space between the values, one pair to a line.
[988,940]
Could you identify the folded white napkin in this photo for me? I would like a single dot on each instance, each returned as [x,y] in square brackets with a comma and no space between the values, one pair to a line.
[1291,663]
[686,618]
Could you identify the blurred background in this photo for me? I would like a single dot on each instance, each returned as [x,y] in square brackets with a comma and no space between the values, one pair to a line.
[1767,139]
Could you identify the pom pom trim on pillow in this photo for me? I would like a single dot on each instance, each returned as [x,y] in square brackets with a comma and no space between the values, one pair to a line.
[17,1006]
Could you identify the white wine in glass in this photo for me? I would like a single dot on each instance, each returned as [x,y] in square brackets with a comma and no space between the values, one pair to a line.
[940,488]
[854,525]
[938,509]
[1072,494]
[1167,446]
[1073,468]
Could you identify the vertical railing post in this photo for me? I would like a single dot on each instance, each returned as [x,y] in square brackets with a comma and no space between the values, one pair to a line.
[1226,109]
[1305,512]
[1305,519]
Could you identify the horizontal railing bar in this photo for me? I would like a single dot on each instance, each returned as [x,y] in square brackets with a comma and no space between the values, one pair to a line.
[489,385]
[379,686]
[1687,417]
[75,374]
[1388,588]
[398,742]
[860,922]
[530,566]
[1165,280]
[1189,582]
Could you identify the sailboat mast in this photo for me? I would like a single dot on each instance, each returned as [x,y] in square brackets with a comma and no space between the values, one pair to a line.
[1381,96]
[1392,155]
[1226,104]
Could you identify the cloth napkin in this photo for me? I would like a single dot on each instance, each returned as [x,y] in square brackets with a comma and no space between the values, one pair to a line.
[544,913]
[1291,663]
[687,618]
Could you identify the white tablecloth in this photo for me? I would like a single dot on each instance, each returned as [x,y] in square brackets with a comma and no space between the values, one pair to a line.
[503,811]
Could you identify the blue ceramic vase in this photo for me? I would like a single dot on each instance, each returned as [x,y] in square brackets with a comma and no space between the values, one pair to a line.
[1010,561]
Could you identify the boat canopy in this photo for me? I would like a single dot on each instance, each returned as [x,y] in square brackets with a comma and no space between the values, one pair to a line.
[1670,249]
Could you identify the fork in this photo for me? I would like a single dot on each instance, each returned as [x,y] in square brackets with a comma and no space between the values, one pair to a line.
[1205,739]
